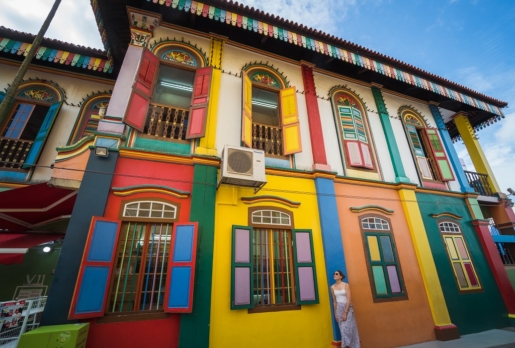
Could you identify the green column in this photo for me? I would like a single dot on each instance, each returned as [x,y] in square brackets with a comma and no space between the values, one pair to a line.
[194,330]
[400,175]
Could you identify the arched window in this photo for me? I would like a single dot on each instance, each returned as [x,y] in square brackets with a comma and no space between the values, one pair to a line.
[31,117]
[172,85]
[270,119]
[383,263]
[459,256]
[150,209]
[266,275]
[427,148]
[353,130]
[89,115]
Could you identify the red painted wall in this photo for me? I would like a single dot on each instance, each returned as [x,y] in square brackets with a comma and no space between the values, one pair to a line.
[134,172]
[137,334]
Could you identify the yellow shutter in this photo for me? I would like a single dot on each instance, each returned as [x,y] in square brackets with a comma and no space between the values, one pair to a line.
[290,121]
[246,119]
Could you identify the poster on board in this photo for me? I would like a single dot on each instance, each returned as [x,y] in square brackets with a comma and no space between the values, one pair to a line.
[11,315]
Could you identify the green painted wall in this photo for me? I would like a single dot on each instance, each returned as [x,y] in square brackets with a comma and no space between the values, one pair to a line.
[162,146]
[471,312]
[194,330]
[33,275]
[511,274]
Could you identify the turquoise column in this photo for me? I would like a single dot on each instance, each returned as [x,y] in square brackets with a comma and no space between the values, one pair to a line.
[400,175]
[451,151]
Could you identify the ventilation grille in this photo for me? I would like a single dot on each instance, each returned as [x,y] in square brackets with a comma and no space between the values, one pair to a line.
[239,162]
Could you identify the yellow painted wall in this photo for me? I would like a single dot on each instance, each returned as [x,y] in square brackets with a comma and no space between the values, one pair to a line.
[393,323]
[309,327]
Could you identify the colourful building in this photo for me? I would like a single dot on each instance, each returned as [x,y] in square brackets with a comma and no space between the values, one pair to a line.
[242,159]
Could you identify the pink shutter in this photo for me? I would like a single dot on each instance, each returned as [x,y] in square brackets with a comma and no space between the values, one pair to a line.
[367,157]
[354,153]
[199,103]
[139,101]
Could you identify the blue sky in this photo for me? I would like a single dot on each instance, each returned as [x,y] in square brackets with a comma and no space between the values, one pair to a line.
[471,42]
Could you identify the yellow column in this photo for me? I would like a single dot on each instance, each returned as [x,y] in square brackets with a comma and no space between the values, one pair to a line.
[474,149]
[207,144]
[425,258]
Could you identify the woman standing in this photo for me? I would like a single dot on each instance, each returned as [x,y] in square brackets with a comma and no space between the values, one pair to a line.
[344,312]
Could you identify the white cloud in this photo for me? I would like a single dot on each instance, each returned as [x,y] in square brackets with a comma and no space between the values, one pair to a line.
[74,21]
[322,15]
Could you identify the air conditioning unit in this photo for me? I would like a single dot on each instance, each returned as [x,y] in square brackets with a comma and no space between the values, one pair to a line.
[242,167]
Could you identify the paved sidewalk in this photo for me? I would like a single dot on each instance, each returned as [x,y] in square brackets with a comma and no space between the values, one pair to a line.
[504,338]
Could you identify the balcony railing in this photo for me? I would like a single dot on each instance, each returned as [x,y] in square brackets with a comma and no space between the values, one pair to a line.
[267,138]
[166,122]
[479,182]
[13,152]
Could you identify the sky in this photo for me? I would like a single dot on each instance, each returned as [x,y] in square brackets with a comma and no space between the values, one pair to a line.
[470,42]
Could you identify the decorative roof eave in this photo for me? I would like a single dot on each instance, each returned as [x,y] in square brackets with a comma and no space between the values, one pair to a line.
[57,56]
[236,19]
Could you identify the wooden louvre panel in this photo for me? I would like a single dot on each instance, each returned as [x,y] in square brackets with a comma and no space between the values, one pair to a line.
[290,121]
[241,268]
[367,158]
[139,100]
[199,103]
[442,163]
[44,130]
[305,269]
[424,168]
[415,141]
[354,153]
[90,295]
[181,268]
[246,118]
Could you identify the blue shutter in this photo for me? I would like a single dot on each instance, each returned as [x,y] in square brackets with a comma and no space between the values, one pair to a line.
[2,96]
[44,130]
[305,269]
[90,295]
[241,268]
[181,268]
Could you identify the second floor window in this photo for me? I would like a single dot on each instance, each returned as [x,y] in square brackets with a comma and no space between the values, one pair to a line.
[270,116]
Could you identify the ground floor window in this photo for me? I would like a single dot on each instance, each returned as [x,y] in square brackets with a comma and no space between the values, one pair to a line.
[140,268]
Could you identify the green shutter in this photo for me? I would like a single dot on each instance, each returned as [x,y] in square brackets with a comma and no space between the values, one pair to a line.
[415,141]
[242,271]
[305,268]
[440,157]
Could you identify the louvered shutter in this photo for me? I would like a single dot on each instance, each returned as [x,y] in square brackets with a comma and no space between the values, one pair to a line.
[415,141]
[181,268]
[41,137]
[197,118]
[246,118]
[241,268]
[290,121]
[442,162]
[354,153]
[305,270]
[139,100]
[90,295]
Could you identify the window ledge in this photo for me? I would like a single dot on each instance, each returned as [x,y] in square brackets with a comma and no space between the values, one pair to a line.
[274,308]
[131,316]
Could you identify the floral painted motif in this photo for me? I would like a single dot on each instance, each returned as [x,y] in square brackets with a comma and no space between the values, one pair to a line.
[412,120]
[37,94]
[346,102]
[265,79]
[102,104]
[139,38]
[179,57]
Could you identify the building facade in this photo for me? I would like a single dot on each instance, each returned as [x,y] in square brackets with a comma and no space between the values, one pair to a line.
[174,233]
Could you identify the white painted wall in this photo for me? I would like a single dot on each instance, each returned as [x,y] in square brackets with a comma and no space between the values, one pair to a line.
[324,84]
[75,89]
[230,105]
[393,104]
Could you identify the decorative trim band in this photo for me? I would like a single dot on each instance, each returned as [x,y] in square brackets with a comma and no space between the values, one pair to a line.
[57,56]
[454,216]
[67,152]
[372,207]
[237,20]
[270,199]
[131,190]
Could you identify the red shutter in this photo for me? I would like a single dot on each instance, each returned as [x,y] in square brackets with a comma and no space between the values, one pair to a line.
[136,113]
[181,268]
[90,295]
[199,103]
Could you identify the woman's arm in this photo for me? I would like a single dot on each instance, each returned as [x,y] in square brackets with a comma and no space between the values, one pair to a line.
[334,301]
[347,306]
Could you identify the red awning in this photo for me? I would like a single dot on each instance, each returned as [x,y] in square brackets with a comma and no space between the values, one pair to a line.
[13,246]
[32,207]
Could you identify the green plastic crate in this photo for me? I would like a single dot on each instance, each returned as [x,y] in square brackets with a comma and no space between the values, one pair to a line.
[56,336]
